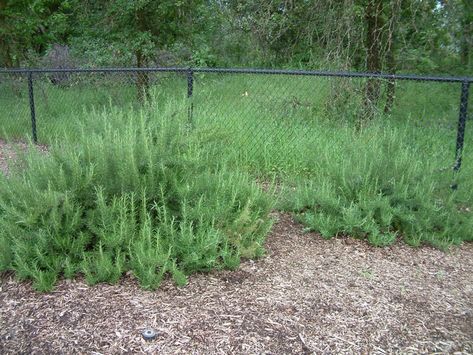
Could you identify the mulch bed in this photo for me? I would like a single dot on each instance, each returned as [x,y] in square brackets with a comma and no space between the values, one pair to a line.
[307,295]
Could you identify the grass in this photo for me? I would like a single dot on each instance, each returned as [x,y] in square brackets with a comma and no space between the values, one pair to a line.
[65,109]
[154,191]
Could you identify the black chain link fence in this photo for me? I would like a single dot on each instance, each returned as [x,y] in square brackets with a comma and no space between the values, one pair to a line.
[260,109]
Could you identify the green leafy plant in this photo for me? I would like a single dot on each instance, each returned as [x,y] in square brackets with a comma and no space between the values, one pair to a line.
[382,190]
[137,197]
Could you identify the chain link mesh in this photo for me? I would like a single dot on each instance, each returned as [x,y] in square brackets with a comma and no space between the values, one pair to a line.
[255,112]
[15,114]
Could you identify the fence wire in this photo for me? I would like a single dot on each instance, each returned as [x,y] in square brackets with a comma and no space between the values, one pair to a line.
[255,111]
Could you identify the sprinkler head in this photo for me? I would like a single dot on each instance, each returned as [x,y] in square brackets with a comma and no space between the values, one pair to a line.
[149,334]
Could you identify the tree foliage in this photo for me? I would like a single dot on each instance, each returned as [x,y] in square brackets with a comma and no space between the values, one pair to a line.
[409,35]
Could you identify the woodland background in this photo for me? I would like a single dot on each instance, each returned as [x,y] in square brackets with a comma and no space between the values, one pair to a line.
[417,36]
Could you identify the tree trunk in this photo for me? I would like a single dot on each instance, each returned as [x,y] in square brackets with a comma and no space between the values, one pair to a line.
[373,56]
[465,52]
[391,84]
[6,60]
[466,43]
[391,56]
[142,78]
[5,56]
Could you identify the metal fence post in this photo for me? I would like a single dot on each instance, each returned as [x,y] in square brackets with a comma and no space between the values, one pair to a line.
[190,90]
[461,124]
[32,106]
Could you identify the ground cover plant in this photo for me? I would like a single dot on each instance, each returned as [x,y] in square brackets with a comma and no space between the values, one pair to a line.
[135,196]
[147,188]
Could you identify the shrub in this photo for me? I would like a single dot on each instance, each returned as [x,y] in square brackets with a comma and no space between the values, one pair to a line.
[134,196]
[380,185]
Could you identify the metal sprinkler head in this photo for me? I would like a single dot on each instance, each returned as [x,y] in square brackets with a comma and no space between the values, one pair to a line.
[149,334]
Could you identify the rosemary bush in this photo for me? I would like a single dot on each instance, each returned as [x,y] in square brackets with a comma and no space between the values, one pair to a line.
[138,195]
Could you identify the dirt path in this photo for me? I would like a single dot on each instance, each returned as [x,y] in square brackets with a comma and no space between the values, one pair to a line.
[307,295]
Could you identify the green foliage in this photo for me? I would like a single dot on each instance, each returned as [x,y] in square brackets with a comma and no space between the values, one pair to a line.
[135,190]
[6,256]
[383,191]
[28,28]
[137,197]
[102,266]
[44,280]
[423,35]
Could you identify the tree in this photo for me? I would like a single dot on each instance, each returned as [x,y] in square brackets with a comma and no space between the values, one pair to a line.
[467,34]
[390,57]
[459,19]
[374,32]
[364,35]
[28,28]
[136,29]
[16,35]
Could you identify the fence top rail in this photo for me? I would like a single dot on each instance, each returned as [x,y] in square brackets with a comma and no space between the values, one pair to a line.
[342,74]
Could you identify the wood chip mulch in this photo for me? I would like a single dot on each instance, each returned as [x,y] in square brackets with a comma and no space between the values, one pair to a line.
[307,295]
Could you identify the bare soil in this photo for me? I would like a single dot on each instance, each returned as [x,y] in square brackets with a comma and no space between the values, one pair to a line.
[9,151]
[7,154]
[307,295]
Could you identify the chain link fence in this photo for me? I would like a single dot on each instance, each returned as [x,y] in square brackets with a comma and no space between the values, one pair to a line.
[253,110]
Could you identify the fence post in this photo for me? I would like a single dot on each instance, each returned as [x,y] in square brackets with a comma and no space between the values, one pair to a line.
[32,106]
[190,90]
[461,124]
